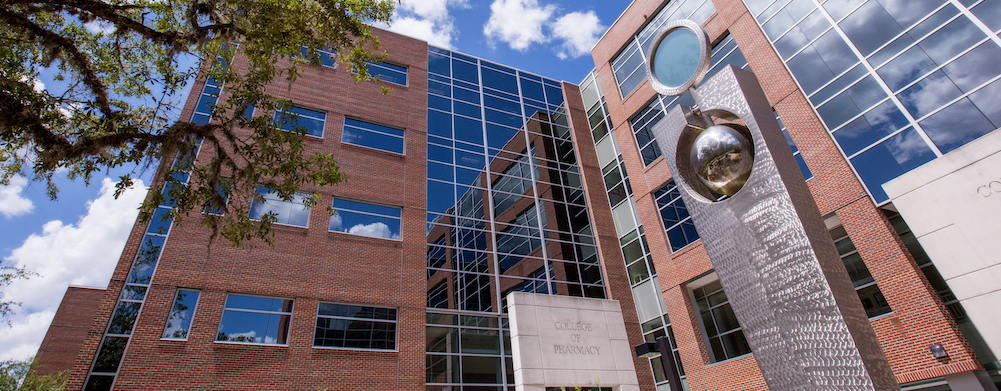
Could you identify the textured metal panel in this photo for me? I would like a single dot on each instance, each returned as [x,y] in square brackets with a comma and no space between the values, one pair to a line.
[786,283]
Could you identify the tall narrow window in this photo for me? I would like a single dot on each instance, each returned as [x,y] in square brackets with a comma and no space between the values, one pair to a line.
[723,332]
[370,135]
[181,313]
[353,326]
[255,319]
[298,119]
[359,218]
[291,212]
[870,295]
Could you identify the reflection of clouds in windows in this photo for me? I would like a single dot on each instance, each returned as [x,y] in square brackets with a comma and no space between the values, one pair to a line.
[174,327]
[975,67]
[956,125]
[907,146]
[880,115]
[336,222]
[929,94]
[376,230]
[249,336]
[906,12]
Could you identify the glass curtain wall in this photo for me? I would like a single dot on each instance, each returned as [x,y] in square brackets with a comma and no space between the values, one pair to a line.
[506,212]
[897,82]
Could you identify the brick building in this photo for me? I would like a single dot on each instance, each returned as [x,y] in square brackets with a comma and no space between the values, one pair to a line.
[530,184]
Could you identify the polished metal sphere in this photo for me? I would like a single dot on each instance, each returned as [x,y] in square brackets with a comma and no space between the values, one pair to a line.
[722,157]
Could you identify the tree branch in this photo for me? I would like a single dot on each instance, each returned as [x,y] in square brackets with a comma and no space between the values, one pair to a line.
[76,58]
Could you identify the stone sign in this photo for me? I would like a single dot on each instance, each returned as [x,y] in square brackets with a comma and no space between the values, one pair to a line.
[562,341]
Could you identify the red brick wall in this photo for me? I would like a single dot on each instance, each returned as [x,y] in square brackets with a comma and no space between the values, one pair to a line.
[918,320]
[68,330]
[306,264]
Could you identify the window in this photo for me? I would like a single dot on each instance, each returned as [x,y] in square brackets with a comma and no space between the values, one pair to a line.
[291,212]
[353,326]
[359,218]
[370,135]
[206,102]
[653,329]
[213,206]
[328,57]
[642,125]
[181,313]
[870,295]
[298,119]
[255,319]
[678,223]
[388,72]
[719,324]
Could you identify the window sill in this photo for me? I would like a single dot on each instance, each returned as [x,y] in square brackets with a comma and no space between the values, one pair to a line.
[173,340]
[688,247]
[397,242]
[881,316]
[400,156]
[284,226]
[230,343]
[333,348]
[654,163]
[747,355]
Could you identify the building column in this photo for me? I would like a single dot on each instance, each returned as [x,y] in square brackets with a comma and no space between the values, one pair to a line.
[971,381]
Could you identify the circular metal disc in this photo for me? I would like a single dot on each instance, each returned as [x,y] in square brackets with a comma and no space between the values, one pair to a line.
[679,57]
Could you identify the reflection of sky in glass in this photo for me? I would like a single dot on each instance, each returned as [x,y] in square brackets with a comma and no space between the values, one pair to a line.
[928,58]
[292,212]
[179,321]
[251,327]
[677,58]
[146,259]
[363,219]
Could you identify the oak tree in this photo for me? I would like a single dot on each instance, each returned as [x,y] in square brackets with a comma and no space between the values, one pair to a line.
[124,63]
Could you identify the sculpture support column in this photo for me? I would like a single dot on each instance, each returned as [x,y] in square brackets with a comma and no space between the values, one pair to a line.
[786,283]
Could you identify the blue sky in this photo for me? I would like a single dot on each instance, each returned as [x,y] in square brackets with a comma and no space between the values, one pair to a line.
[78,238]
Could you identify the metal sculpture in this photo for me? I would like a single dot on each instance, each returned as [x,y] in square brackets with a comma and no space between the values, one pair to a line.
[761,227]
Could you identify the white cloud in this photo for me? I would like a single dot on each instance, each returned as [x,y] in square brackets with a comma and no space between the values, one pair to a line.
[25,336]
[375,230]
[12,203]
[84,253]
[427,20]
[579,31]
[518,22]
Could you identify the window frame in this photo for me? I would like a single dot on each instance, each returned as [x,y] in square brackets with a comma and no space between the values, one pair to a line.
[288,328]
[400,218]
[702,282]
[170,315]
[307,209]
[280,112]
[669,202]
[405,71]
[402,137]
[859,288]
[395,321]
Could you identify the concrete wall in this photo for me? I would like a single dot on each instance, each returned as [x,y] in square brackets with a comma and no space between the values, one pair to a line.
[562,341]
[953,206]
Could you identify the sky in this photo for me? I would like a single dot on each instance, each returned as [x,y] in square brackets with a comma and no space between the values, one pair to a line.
[78,238]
